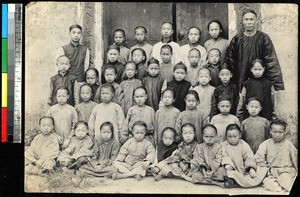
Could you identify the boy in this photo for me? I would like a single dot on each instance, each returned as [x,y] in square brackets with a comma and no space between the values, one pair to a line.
[194,57]
[119,40]
[166,66]
[213,65]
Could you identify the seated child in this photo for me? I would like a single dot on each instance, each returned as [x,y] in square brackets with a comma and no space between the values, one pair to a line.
[166,66]
[239,160]
[139,58]
[213,65]
[119,40]
[64,116]
[255,128]
[178,164]
[44,149]
[80,149]
[222,120]
[280,157]
[194,56]
[207,159]
[135,155]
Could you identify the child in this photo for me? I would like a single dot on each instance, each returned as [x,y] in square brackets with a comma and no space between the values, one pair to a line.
[139,58]
[167,33]
[225,88]
[191,115]
[207,159]
[222,120]
[259,87]
[44,149]
[213,65]
[194,56]
[78,54]
[166,115]
[239,160]
[180,85]
[135,155]
[280,156]
[126,87]
[106,150]
[85,108]
[64,116]
[119,40]
[113,53]
[215,30]
[140,34]
[193,38]
[106,111]
[255,128]
[154,84]
[139,112]
[166,66]
[62,79]
[178,163]
[205,91]
[80,150]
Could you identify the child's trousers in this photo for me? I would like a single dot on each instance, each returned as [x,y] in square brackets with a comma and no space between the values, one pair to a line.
[135,169]
[198,176]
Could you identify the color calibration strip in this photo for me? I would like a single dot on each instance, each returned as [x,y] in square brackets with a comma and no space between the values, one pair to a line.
[11,72]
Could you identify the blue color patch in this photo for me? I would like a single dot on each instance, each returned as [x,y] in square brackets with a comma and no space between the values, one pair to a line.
[4,20]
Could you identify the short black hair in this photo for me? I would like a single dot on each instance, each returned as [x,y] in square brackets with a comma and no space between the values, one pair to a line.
[167,22]
[232,127]
[62,88]
[139,123]
[169,129]
[253,99]
[194,27]
[75,26]
[88,85]
[279,122]
[93,69]
[194,93]
[188,125]
[111,126]
[166,46]
[195,49]
[140,27]
[119,30]
[79,123]
[210,126]
[110,68]
[218,22]
[140,87]
[61,57]
[257,61]
[143,52]
[153,61]
[46,117]
[168,89]
[180,65]
[109,86]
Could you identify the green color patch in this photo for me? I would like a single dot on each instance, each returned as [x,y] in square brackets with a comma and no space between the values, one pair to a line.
[4,55]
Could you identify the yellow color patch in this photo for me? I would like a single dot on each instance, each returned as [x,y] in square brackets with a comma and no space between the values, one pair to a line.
[4,90]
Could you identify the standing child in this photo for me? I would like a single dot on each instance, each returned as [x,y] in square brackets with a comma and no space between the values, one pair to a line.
[280,156]
[180,85]
[167,33]
[222,120]
[139,112]
[64,116]
[113,53]
[239,160]
[119,40]
[84,109]
[154,84]
[140,34]
[259,87]
[166,115]
[78,54]
[44,149]
[207,159]
[135,155]
[225,88]
[215,30]
[126,87]
[194,56]
[213,65]
[205,91]
[139,58]
[166,66]
[106,111]
[255,128]
[191,115]
[62,79]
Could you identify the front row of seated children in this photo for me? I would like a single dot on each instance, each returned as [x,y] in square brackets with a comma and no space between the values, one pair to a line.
[228,163]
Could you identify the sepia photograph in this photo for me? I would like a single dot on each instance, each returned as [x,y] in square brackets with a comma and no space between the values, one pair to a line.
[161,98]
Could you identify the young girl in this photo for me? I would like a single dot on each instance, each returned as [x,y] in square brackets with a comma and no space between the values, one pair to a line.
[239,160]
[113,113]
[80,149]
[44,149]
[154,84]
[215,30]
[194,56]
[178,164]
[259,87]
[205,91]
[191,115]
[166,66]
[126,87]
[85,108]
[119,40]
[280,156]
[225,88]
[193,38]
[255,128]
[106,150]
[166,115]
[180,85]
[222,120]
[213,65]
[64,116]
[138,112]
[135,155]
[92,78]
[139,58]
